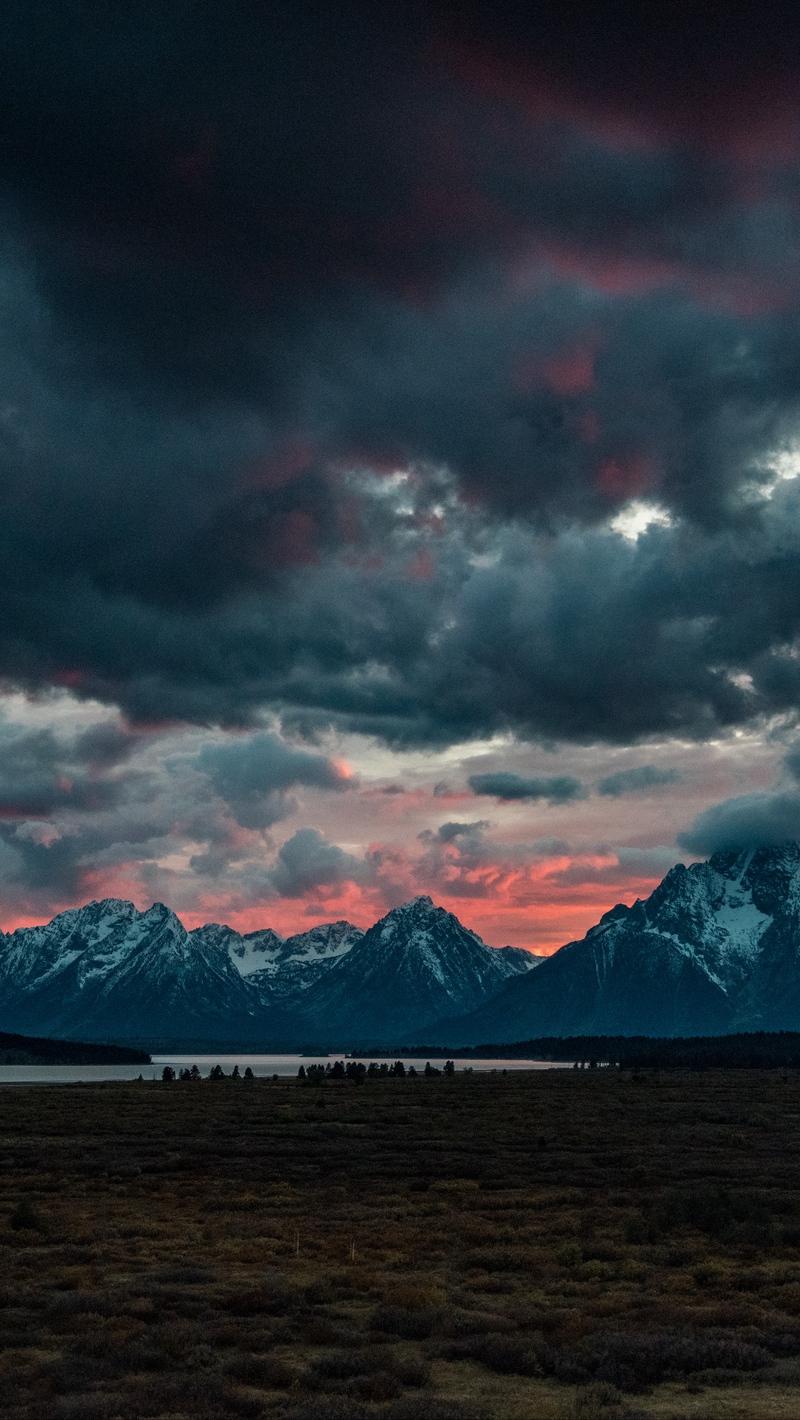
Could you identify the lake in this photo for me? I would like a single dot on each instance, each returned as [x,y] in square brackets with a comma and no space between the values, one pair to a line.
[261,1065]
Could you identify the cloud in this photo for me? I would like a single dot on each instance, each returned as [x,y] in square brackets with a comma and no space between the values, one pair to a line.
[461,833]
[41,772]
[295,292]
[254,776]
[308,861]
[508,787]
[634,781]
[748,821]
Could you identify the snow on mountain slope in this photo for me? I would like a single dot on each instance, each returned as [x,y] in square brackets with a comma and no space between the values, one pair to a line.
[709,912]
[715,947]
[300,961]
[108,971]
[257,951]
[411,966]
[31,955]
[120,973]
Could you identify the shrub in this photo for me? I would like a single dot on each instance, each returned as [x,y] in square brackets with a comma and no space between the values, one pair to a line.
[379,1385]
[332,1407]
[430,1407]
[81,1303]
[499,1353]
[266,1371]
[185,1274]
[634,1360]
[339,1366]
[717,1212]
[414,1372]
[401,1321]
[25,1215]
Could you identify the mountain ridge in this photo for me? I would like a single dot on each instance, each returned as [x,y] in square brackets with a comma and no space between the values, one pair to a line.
[109,971]
[714,949]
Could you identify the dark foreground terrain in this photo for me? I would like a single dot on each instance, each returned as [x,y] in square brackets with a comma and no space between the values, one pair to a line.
[560,1244]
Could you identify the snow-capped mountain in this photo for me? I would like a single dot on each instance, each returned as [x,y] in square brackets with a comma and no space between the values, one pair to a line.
[415,964]
[106,971]
[715,948]
[297,962]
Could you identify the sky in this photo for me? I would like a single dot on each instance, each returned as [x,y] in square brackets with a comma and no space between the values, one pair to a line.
[399,455]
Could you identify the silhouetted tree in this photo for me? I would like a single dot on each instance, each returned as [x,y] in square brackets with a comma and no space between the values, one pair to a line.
[449,1067]
[168,1073]
[216,1073]
[235,1072]
[398,1068]
[194,1073]
[248,1074]
[301,1074]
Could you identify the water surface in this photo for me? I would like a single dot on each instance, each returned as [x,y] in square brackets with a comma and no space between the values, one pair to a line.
[261,1065]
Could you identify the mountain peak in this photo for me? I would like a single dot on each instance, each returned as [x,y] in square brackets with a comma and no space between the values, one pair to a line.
[417,907]
[715,948]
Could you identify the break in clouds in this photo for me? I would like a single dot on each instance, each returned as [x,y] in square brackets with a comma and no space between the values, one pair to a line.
[397,382]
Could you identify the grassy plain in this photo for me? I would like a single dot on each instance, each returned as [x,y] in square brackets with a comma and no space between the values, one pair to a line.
[563,1244]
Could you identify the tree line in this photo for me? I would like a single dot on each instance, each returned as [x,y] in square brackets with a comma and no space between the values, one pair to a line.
[745,1050]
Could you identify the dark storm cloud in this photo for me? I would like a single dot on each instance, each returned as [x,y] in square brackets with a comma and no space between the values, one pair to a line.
[634,781]
[82,807]
[749,821]
[40,773]
[308,861]
[759,820]
[507,787]
[243,253]
[255,775]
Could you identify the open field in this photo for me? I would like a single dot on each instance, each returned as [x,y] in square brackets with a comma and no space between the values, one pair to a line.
[559,1244]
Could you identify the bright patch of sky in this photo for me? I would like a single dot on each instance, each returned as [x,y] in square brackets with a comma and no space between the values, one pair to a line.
[636,517]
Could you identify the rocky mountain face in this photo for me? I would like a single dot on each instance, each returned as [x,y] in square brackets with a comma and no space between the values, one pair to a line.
[715,948]
[108,972]
[412,967]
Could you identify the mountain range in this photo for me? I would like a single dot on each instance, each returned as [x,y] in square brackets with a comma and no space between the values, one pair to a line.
[716,948]
[108,972]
